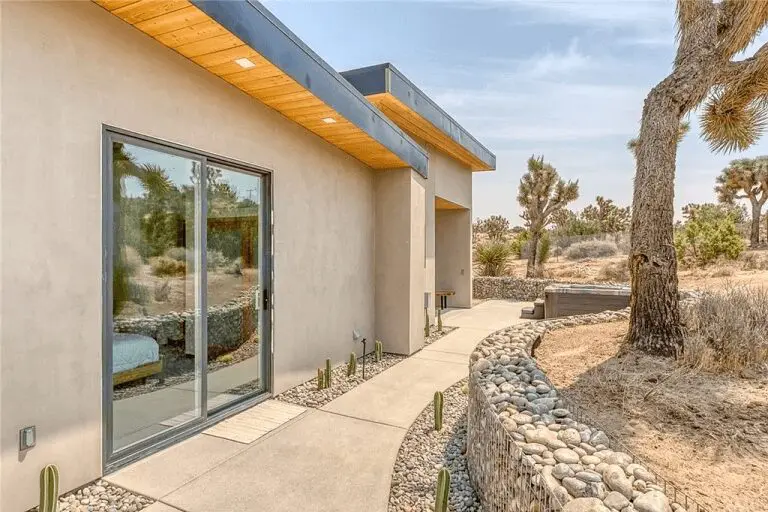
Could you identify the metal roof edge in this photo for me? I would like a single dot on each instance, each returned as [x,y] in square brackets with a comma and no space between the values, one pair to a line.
[261,30]
[394,82]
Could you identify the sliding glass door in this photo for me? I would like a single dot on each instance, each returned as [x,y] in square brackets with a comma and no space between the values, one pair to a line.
[187,270]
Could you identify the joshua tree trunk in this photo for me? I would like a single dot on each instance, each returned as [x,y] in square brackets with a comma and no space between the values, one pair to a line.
[754,235]
[654,321]
[654,317]
[531,270]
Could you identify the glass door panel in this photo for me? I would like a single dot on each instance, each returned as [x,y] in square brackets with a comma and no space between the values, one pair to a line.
[156,279]
[233,266]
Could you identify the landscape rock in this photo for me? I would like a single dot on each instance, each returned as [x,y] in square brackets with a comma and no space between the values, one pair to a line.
[585,505]
[652,501]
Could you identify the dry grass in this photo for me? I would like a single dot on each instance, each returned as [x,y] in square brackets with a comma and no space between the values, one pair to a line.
[728,331]
[591,249]
[706,433]
[614,272]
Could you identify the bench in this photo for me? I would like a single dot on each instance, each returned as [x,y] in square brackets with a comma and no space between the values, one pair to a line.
[443,296]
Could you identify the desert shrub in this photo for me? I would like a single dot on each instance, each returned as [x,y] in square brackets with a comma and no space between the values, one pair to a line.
[614,272]
[722,271]
[753,260]
[591,249]
[162,291]
[177,253]
[165,266]
[492,257]
[138,293]
[727,331]
[235,268]
[709,233]
[518,244]
[545,244]
[216,259]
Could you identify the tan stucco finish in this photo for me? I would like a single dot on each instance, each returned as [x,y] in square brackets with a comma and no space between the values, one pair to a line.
[66,69]
[400,271]
[453,255]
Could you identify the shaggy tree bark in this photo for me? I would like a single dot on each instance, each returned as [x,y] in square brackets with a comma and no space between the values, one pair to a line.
[531,269]
[754,235]
[654,322]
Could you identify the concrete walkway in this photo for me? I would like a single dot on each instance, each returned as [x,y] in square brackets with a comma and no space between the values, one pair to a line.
[338,458]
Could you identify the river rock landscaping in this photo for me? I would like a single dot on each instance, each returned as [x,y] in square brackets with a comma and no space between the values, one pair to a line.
[101,496]
[560,461]
[425,451]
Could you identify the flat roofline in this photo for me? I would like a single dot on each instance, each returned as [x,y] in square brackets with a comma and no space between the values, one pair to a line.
[386,78]
[250,21]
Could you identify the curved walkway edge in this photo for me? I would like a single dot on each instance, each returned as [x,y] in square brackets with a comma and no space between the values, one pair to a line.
[335,459]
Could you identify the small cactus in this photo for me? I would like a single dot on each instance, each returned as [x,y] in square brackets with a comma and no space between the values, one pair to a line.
[438,403]
[443,488]
[49,489]
[378,350]
[352,365]
[320,379]
[439,320]
[426,323]
[328,373]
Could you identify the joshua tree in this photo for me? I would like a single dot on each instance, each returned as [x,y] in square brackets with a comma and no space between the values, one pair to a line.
[609,217]
[683,130]
[495,226]
[542,192]
[746,179]
[710,34]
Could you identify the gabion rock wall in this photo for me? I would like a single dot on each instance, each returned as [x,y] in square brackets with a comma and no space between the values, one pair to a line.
[229,324]
[529,449]
[512,288]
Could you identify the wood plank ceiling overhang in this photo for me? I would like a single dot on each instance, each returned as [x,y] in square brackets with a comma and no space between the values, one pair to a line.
[243,43]
[417,114]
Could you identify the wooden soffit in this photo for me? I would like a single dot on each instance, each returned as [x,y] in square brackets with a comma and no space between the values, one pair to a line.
[282,72]
[413,111]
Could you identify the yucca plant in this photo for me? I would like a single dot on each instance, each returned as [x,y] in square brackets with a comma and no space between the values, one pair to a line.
[492,257]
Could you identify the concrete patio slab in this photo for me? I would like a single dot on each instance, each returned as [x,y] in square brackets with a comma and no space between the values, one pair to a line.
[323,462]
[446,357]
[398,395]
[166,471]
[160,507]
[461,341]
[492,314]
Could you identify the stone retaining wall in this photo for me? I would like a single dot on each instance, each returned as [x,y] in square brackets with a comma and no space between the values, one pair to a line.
[229,324]
[512,288]
[529,449]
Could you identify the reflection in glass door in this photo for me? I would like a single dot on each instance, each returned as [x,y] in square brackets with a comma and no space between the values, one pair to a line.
[233,266]
[156,336]
[186,323]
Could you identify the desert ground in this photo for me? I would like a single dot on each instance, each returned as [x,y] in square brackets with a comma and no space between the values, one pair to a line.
[707,434]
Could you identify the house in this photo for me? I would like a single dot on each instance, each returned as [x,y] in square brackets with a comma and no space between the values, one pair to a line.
[196,212]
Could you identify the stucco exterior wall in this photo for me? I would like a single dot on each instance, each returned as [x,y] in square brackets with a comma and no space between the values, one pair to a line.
[453,255]
[66,69]
[453,180]
[400,271]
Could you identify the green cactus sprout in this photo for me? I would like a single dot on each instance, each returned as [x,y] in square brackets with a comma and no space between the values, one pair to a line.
[439,320]
[378,350]
[438,403]
[352,365]
[320,379]
[443,487]
[426,323]
[328,373]
[49,488]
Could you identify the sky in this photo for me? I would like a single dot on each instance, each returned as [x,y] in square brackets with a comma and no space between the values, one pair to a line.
[565,79]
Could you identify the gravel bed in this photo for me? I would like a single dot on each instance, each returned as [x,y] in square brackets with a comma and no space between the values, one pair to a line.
[424,451]
[101,496]
[307,394]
